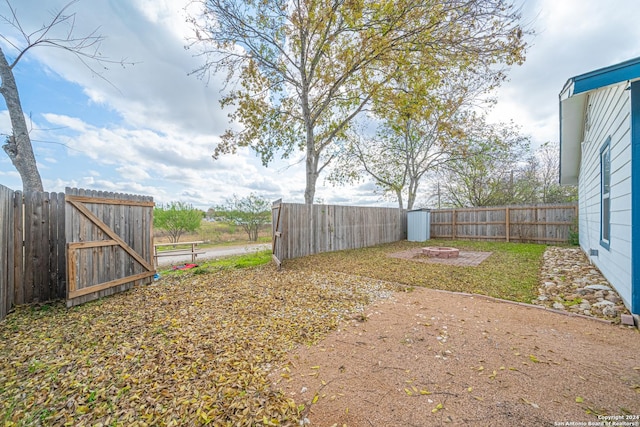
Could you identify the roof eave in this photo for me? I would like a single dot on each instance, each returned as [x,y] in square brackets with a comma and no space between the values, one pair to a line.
[571,135]
[628,70]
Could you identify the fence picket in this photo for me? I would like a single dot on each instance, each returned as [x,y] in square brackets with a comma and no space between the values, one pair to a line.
[310,229]
[547,224]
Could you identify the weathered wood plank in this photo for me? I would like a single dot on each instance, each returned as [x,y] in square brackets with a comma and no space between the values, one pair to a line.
[110,284]
[110,201]
[6,245]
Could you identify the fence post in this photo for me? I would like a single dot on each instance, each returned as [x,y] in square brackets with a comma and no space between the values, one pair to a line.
[453,225]
[507,224]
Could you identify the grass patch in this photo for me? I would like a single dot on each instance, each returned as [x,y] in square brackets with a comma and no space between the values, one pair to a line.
[511,272]
[251,259]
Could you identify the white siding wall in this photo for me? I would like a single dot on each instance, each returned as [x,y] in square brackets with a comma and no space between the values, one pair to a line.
[609,112]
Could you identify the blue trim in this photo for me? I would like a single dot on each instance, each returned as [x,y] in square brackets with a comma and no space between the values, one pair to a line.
[613,74]
[605,147]
[635,197]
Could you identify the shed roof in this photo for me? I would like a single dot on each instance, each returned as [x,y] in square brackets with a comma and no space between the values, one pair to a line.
[572,111]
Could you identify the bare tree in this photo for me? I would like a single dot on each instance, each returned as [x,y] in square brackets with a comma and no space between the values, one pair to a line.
[547,158]
[491,173]
[59,33]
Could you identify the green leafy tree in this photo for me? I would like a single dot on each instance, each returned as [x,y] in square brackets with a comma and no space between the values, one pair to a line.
[250,213]
[176,218]
[302,70]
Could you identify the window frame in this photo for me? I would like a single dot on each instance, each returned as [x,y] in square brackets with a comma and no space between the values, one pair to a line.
[605,194]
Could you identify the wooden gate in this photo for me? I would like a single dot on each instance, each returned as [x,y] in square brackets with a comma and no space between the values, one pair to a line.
[109,243]
[276,228]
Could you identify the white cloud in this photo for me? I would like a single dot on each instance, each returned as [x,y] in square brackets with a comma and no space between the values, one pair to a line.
[72,123]
[572,37]
[133,173]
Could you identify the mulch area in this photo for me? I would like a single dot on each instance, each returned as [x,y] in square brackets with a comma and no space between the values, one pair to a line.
[187,350]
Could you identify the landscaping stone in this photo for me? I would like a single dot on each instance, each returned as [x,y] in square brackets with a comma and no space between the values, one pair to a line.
[603,303]
[613,298]
[597,287]
[567,275]
[584,305]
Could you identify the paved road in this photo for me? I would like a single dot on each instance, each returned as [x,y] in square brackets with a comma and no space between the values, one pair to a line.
[211,253]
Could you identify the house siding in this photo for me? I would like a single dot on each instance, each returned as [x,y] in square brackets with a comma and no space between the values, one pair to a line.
[608,115]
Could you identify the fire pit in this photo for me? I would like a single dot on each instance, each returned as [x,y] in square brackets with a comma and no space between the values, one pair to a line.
[441,252]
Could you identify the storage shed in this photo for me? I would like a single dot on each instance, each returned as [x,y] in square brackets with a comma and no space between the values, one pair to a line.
[418,225]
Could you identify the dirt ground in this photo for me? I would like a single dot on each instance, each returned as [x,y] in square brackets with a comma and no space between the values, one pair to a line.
[428,357]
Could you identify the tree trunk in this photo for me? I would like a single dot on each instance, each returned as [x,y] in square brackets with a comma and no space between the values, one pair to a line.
[312,177]
[18,145]
[413,192]
[311,162]
[400,201]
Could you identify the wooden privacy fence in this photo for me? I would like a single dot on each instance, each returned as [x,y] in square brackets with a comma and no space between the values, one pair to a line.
[32,248]
[78,246]
[300,229]
[547,224]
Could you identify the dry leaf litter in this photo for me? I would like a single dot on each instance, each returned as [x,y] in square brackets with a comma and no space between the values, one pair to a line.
[175,353]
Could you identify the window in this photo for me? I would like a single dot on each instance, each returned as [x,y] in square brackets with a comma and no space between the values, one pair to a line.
[605,191]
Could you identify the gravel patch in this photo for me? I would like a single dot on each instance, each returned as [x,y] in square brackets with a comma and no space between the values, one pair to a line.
[570,283]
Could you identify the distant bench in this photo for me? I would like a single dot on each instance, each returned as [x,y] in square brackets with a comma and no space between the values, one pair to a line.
[194,251]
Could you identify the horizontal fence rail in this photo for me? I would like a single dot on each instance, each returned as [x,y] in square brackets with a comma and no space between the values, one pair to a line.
[546,224]
[300,229]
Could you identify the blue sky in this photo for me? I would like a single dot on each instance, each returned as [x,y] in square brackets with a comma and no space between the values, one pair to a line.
[152,128]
